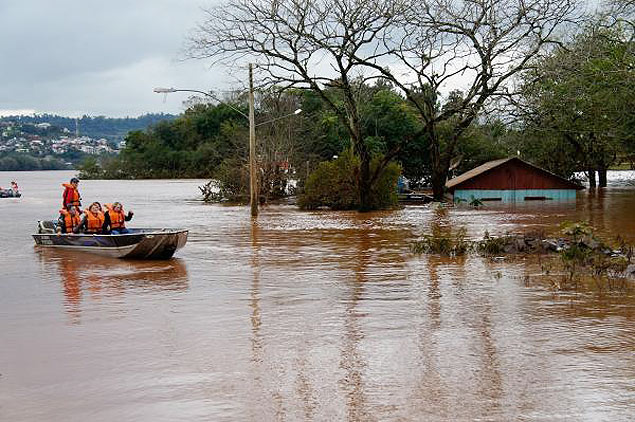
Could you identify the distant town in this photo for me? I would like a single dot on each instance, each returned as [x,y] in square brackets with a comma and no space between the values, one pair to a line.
[44,138]
[45,142]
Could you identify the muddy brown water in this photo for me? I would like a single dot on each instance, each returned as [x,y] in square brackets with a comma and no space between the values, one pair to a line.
[304,316]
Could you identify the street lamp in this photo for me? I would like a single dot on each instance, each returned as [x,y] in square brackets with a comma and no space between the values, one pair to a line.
[170,90]
[253,176]
[253,181]
[298,111]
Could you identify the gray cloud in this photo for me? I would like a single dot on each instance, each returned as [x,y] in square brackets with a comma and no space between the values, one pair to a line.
[98,57]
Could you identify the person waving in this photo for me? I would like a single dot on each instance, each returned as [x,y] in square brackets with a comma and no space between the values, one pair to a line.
[116,218]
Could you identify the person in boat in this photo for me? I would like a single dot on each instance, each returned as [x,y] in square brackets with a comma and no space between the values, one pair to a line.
[68,220]
[71,195]
[116,218]
[92,220]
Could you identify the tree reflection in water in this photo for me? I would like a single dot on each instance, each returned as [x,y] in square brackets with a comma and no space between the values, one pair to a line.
[352,360]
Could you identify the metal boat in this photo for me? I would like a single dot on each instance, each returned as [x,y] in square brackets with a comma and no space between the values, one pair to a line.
[140,243]
[9,193]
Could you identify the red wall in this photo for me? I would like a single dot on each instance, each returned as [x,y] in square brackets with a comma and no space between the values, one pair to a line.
[515,175]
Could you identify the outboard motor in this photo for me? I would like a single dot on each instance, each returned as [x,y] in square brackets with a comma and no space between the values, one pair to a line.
[46,227]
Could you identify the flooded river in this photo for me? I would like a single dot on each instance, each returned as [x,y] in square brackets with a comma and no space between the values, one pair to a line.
[312,316]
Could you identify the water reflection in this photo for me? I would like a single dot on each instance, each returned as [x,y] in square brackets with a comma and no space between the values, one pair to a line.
[309,316]
[100,278]
[256,322]
[489,379]
[351,356]
[430,388]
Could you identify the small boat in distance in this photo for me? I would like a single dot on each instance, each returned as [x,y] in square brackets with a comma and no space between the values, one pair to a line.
[139,243]
[12,192]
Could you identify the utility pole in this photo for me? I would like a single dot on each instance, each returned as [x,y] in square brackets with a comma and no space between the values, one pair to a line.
[253,175]
[253,169]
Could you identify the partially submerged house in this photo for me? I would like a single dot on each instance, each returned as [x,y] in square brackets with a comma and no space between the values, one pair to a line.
[510,180]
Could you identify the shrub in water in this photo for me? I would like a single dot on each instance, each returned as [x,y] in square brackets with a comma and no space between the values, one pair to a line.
[493,245]
[334,185]
[443,238]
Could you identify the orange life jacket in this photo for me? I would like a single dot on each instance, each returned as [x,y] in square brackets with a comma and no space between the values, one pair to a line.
[70,196]
[117,218]
[94,223]
[70,221]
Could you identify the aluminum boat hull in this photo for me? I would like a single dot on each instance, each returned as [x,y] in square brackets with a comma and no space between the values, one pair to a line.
[138,244]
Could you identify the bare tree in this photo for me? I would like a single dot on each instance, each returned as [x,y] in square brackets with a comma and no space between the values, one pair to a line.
[304,44]
[428,49]
[277,143]
[458,56]
[620,11]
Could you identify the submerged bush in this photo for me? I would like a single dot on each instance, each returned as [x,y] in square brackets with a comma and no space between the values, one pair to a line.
[443,242]
[334,185]
[231,178]
[443,239]
[493,245]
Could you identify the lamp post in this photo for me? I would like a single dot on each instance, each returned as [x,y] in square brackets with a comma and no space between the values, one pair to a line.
[253,175]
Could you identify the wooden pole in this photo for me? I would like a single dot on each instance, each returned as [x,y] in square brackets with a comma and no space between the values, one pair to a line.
[253,175]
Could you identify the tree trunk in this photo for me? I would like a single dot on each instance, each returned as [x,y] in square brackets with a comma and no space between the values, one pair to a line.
[602,177]
[361,150]
[591,175]
[364,183]
[439,177]
[439,173]
[363,177]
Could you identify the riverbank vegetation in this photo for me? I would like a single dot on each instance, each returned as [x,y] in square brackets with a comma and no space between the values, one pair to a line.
[15,161]
[562,99]
[575,258]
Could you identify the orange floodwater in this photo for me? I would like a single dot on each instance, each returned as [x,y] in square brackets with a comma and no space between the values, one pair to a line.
[312,316]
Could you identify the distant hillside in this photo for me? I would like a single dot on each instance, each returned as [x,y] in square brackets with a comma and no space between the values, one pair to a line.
[113,129]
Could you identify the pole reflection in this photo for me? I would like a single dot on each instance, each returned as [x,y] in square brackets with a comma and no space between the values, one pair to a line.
[254,303]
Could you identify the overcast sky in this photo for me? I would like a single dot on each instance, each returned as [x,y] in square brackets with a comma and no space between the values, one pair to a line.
[75,57]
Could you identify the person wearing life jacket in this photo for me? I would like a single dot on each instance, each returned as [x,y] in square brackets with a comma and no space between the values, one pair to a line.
[116,218]
[15,190]
[68,220]
[92,221]
[71,195]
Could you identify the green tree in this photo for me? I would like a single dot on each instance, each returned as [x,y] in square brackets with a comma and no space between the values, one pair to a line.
[420,47]
[332,184]
[90,168]
[579,101]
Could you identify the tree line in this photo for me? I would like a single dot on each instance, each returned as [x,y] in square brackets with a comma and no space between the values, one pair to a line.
[111,128]
[14,161]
